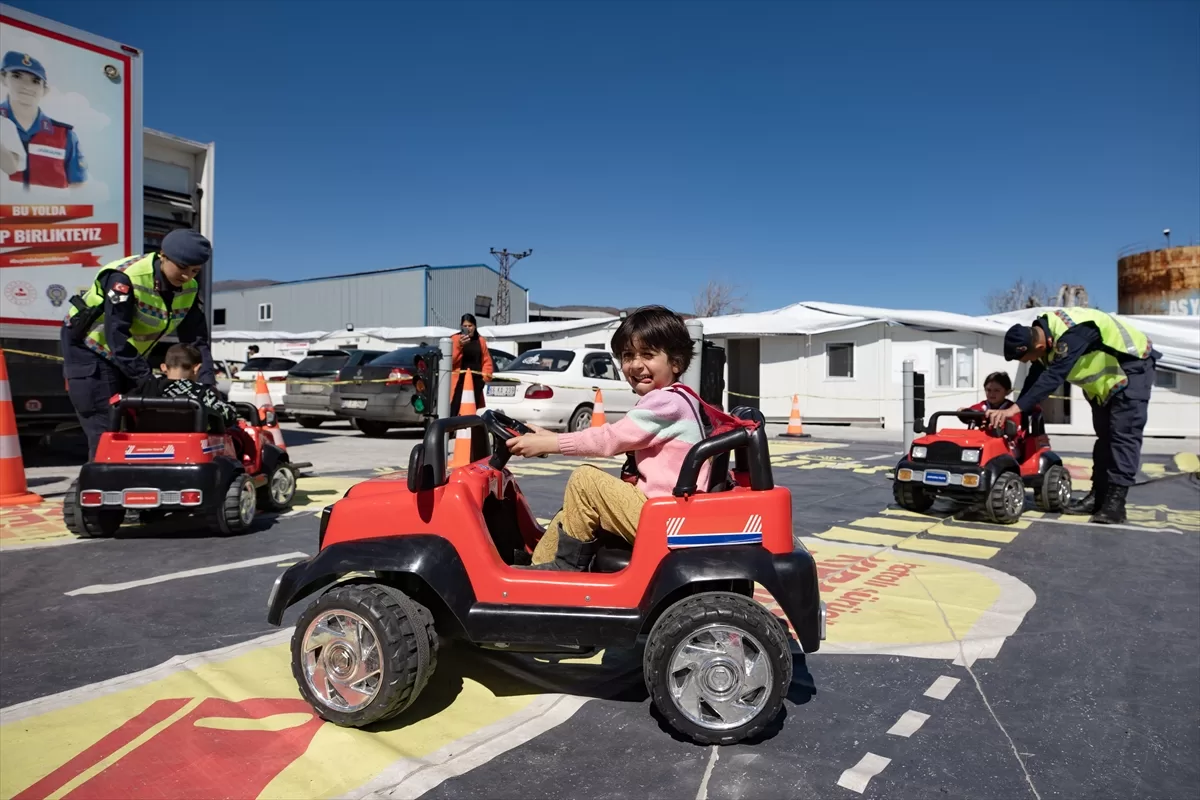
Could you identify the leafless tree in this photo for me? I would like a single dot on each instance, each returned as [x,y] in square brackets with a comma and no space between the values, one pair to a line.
[1022,294]
[718,298]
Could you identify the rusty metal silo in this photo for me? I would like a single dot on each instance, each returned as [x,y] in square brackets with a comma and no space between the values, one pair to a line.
[1160,282]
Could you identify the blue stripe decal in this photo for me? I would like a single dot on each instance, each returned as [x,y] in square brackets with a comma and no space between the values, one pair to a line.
[149,456]
[709,539]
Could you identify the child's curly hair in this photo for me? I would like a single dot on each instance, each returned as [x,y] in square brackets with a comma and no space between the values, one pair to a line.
[655,328]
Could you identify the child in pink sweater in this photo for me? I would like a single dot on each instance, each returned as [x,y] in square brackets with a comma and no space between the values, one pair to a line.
[655,349]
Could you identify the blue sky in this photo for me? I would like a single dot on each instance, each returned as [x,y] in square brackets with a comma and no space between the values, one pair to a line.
[899,154]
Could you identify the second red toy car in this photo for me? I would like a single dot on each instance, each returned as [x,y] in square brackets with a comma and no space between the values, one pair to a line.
[981,467]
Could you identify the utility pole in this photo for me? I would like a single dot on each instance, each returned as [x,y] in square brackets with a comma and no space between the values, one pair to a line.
[506,260]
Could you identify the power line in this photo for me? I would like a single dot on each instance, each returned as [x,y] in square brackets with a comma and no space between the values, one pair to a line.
[507,260]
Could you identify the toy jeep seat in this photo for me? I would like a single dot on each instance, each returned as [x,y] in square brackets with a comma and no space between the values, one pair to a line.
[613,552]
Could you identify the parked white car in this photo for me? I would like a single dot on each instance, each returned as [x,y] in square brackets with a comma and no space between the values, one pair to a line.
[275,371]
[555,388]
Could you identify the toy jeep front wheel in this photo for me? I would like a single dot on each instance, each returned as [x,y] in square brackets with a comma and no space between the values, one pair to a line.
[1055,492]
[913,496]
[1006,500]
[363,653]
[235,513]
[717,666]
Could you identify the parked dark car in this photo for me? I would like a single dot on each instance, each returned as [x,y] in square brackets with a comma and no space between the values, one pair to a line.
[378,395]
[310,383]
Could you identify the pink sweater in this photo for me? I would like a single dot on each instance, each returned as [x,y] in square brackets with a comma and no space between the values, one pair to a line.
[661,428]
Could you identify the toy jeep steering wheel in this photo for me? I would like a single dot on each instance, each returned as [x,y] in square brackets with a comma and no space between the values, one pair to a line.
[502,427]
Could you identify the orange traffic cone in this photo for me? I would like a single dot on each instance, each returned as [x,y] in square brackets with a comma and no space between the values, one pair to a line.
[262,399]
[13,489]
[795,430]
[598,418]
[462,437]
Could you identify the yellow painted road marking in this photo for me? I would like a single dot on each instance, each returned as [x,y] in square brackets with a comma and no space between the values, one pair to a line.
[892,524]
[957,531]
[948,548]
[860,537]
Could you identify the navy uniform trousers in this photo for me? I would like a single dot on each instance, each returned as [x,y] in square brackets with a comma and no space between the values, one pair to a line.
[1119,423]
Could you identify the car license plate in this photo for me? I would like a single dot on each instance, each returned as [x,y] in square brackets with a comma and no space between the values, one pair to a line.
[501,391]
[937,477]
[354,404]
[311,388]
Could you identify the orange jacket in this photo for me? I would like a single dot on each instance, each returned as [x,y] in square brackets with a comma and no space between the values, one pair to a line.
[456,356]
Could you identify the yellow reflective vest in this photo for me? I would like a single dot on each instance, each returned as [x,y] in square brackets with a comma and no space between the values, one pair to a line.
[1097,373]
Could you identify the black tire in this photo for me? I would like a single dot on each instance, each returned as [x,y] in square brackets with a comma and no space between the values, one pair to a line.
[913,496]
[309,422]
[580,419]
[285,473]
[89,523]
[1055,493]
[371,428]
[1002,504]
[759,631]
[405,641]
[230,517]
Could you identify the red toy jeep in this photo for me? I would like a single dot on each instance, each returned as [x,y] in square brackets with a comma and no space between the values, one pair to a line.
[979,466]
[445,552]
[169,455]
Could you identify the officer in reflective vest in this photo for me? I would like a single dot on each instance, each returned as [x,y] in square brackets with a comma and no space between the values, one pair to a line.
[112,327]
[1113,363]
[51,156]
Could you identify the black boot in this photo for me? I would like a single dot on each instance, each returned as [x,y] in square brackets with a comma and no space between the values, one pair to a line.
[1093,500]
[573,555]
[1112,511]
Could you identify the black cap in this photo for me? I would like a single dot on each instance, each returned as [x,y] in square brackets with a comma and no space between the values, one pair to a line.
[186,247]
[1017,342]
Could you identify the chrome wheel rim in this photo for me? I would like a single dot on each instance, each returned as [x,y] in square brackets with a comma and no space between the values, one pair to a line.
[1064,491]
[720,677]
[246,502]
[1014,497]
[283,484]
[342,665]
[583,419]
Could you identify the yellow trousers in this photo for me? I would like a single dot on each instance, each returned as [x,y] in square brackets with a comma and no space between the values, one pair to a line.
[594,500]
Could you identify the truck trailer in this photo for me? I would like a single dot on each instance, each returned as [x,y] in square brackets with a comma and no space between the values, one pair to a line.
[87,184]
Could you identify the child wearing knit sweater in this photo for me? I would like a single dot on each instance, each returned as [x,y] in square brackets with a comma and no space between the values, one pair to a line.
[655,349]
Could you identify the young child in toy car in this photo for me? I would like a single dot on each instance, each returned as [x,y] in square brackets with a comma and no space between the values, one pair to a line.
[996,388]
[180,368]
[655,349]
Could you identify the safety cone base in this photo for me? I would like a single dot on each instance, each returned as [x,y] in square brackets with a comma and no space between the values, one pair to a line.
[21,499]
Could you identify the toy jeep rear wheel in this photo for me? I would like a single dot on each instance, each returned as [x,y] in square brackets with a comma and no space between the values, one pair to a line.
[89,523]
[363,653]
[277,493]
[235,513]
[717,666]
[1006,500]
[1055,492]
[913,496]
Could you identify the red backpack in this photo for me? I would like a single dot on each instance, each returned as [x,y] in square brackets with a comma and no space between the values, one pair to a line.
[713,422]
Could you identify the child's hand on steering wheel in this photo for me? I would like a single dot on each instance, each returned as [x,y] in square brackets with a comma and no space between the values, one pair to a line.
[530,445]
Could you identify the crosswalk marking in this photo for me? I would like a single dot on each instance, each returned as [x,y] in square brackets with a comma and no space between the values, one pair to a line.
[893,524]
[957,531]
[948,548]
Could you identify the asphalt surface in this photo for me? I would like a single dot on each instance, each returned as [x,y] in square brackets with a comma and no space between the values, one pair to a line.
[1095,694]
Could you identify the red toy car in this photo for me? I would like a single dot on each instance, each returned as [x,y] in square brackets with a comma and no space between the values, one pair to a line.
[174,457]
[445,552]
[980,466]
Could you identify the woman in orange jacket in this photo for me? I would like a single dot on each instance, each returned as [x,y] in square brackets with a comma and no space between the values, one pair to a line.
[469,352]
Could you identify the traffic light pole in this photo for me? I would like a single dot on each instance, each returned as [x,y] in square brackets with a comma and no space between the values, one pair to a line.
[444,377]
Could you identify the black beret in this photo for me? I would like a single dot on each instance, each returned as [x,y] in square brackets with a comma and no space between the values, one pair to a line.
[186,247]
[1017,342]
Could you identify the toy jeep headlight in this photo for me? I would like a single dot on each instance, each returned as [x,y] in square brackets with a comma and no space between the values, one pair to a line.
[920,452]
[971,456]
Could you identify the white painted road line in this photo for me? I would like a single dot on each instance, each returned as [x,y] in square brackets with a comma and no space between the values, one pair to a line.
[885,455]
[941,688]
[104,588]
[857,777]
[909,723]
